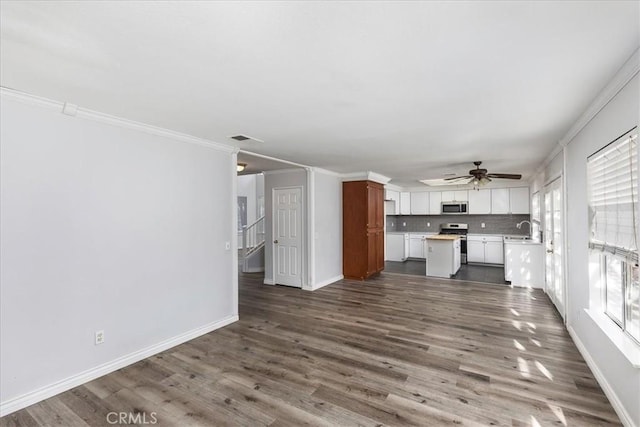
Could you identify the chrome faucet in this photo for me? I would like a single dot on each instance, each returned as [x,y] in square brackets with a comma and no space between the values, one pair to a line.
[519,225]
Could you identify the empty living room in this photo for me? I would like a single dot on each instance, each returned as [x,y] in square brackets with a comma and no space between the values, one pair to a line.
[325,213]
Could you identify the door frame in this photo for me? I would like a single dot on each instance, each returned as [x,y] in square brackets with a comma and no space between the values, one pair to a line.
[556,183]
[303,234]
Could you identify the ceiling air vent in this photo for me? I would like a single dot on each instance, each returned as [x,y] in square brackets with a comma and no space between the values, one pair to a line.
[245,138]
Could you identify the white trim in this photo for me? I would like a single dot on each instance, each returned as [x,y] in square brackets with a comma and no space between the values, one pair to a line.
[275,159]
[253,270]
[623,342]
[269,282]
[324,283]
[311,226]
[50,390]
[281,171]
[628,71]
[82,113]
[234,227]
[366,176]
[625,418]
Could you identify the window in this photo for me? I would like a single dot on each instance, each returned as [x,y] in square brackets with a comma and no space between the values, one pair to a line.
[613,207]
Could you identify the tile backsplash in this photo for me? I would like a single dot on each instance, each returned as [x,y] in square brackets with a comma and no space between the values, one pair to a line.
[494,224]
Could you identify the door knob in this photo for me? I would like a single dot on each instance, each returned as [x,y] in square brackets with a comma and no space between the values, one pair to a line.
[275,241]
[549,251]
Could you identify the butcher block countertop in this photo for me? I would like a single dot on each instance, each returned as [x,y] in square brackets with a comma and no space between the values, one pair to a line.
[443,237]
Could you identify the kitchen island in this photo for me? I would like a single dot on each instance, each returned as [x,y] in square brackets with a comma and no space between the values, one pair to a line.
[443,255]
[523,262]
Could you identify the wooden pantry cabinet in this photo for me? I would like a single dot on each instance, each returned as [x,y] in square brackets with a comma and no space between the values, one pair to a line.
[362,229]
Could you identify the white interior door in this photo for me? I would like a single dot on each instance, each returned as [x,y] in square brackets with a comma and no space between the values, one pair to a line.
[553,232]
[287,236]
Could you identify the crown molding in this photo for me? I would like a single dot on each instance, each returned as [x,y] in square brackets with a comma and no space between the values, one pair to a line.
[366,176]
[624,75]
[281,171]
[83,113]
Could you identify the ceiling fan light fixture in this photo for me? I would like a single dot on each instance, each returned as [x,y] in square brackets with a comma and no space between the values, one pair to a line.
[240,167]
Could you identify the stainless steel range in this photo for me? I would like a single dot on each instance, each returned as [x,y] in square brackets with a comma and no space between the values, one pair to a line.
[460,230]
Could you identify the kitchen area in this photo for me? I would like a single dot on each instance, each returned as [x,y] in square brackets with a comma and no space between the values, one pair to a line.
[484,235]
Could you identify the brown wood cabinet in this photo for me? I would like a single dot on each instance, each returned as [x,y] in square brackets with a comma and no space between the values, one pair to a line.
[362,229]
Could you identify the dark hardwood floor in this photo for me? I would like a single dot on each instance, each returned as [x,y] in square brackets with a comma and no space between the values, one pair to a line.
[395,350]
[470,272]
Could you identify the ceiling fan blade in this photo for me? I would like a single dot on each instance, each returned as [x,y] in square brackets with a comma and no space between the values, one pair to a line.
[505,175]
[458,177]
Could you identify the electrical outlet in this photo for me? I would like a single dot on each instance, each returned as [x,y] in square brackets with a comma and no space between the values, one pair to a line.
[404,224]
[482,225]
[99,337]
[428,224]
[227,246]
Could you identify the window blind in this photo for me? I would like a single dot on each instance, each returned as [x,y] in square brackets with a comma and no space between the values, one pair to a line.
[613,197]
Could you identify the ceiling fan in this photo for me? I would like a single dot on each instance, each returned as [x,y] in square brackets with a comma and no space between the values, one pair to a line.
[479,176]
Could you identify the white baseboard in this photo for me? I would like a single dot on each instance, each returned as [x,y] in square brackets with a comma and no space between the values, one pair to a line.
[269,282]
[253,270]
[326,282]
[625,418]
[48,391]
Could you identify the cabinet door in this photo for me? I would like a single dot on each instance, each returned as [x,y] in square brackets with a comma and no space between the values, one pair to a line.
[475,251]
[416,248]
[494,253]
[480,202]
[379,202]
[461,196]
[435,203]
[372,207]
[419,203]
[447,196]
[405,203]
[395,196]
[372,259]
[519,200]
[499,200]
[379,250]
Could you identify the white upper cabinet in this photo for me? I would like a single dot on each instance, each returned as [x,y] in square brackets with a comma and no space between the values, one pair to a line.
[455,196]
[480,201]
[447,196]
[519,200]
[395,196]
[461,196]
[405,203]
[435,203]
[419,203]
[500,201]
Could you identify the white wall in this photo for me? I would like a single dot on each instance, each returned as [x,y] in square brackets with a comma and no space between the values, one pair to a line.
[615,372]
[282,179]
[327,216]
[105,228]
[619,115]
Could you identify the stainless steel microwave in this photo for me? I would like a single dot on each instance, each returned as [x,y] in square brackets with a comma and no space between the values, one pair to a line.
[456,208]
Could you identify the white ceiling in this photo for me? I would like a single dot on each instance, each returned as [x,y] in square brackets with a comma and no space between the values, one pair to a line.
[407,89]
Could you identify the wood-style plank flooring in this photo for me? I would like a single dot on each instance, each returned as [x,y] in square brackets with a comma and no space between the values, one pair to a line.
[395,350]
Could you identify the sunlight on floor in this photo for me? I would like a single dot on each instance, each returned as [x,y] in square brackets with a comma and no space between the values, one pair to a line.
[544,370]
[534,422]
[536,342]
[516,324]
[524,367]
[515,312]
[557,411]
[519,346]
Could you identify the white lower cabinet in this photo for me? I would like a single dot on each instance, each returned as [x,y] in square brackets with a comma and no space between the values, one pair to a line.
[416,246]
[485,249]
